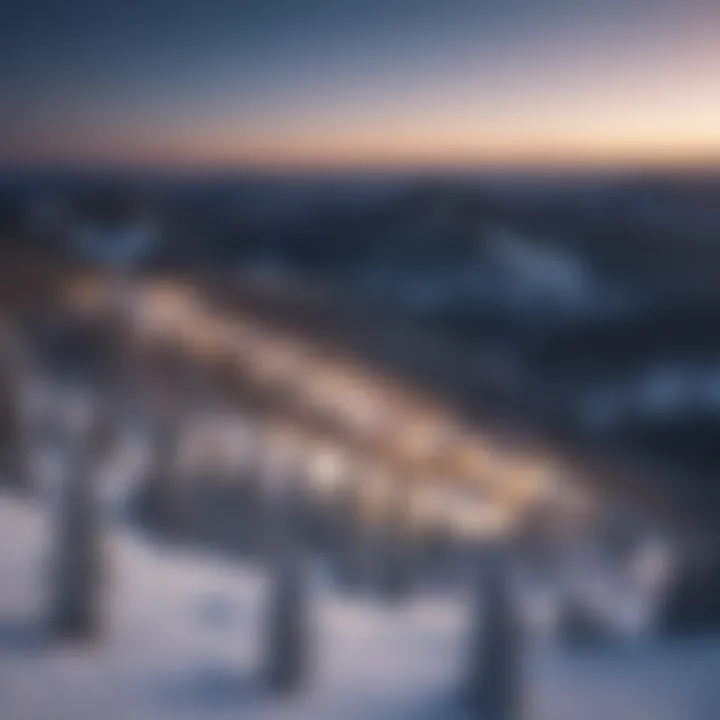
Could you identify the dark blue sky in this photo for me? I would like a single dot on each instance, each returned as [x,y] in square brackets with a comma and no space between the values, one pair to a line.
[340,81]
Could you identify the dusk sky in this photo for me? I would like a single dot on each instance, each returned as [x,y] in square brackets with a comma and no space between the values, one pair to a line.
[371,82]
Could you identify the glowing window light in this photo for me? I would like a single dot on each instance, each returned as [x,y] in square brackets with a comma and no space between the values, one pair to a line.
[326,468]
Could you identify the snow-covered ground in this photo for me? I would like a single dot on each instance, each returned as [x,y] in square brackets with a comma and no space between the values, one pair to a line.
[183,640]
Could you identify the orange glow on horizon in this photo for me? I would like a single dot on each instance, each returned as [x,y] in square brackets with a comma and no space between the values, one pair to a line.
[634,92]
[651,109]
[549,154]
[556,139]
[368,153]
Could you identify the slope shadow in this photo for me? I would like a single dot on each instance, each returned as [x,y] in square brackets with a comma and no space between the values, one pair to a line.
[22,635]
[210,688]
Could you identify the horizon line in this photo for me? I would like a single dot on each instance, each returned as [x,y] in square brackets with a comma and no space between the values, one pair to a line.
[653,166]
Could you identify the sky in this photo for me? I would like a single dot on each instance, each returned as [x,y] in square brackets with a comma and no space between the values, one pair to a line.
[360,82]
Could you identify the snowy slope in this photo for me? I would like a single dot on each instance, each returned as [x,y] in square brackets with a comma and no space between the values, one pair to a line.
[183,641]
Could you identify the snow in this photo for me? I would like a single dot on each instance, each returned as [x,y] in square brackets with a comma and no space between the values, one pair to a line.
[538,270]
[183,640]
[658,393]
[120,247]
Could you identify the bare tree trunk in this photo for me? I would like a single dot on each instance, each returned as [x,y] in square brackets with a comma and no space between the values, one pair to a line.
[352,558]
[396,552]
[14,450]
[14,458]
[493,683]
[78,572]
[288,625]
[165,496]
[691,604]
